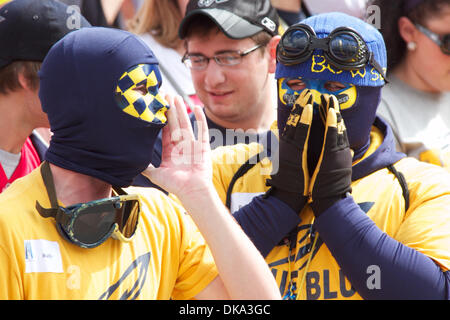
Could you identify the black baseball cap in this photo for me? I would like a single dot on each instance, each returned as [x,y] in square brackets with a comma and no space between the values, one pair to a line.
[29,28]
[238,19]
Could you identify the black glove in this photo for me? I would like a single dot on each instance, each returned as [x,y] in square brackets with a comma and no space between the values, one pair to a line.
[332,177]
[290,182]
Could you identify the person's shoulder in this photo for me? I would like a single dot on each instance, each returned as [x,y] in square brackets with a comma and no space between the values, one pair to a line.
[162,214]
[420,169]
[18,203]
[157,203]
[150,194]
[424,180]
[22,191]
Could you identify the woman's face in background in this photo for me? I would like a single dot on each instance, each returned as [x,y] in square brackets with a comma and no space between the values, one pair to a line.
[427,60]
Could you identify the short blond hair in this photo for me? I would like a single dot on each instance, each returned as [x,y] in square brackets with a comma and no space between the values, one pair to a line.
[160,18]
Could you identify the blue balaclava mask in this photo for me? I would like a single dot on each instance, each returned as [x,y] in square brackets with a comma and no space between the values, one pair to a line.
[358,97]
[99,88]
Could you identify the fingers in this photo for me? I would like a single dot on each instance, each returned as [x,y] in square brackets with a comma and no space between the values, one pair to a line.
[304,98]
[183,119]
[335,130]
[202,125]
[303,126]
[172,120]
[178,119]
[323,108]
[297,112]
[166,136]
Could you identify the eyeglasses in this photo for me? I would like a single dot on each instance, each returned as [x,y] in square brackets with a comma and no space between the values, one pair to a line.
[442,41]
[90,224]
[344,48]
[227,58]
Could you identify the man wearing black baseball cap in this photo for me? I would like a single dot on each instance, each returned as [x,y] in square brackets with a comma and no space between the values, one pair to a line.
[230,49]
[28,29]
[237,19]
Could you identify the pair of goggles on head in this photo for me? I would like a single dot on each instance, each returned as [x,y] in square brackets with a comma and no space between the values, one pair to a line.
[90,224]
[442,41]
[344,48]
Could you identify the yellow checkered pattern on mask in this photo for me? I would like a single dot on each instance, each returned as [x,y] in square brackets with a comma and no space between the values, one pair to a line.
[151,106]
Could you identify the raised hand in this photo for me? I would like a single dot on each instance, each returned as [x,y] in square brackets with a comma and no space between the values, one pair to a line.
[185,162]
[290,182]
[332,177]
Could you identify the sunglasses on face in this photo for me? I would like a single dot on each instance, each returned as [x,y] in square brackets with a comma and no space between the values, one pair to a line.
[344,48]
[90,224]
[442,41]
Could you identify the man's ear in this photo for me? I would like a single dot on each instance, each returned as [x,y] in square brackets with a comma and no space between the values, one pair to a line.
[272,47]
[24,82]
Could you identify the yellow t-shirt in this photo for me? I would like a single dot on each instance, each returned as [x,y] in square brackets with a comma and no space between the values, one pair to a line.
[167,258]
[425,226]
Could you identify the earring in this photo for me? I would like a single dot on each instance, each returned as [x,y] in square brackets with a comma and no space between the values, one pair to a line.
[411,46]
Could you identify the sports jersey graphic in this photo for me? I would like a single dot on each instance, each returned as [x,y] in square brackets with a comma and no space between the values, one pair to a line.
[135,285]
[295,271]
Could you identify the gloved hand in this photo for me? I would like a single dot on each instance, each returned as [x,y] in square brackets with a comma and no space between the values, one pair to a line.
[332,177]
[290,182]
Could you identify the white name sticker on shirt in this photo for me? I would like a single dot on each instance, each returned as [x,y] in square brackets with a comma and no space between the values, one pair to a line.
[42,256]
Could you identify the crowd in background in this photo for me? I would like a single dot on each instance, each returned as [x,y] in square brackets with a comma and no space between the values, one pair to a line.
[312,169]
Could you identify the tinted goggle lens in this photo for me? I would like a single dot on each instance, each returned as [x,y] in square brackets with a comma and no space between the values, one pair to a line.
[95,222]
[295,41]
[345,48]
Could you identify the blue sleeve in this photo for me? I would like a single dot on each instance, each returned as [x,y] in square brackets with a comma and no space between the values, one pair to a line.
[362,249]
[266,220]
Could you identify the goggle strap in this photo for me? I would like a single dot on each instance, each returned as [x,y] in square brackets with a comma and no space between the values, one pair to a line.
[49,184]
[46,213]
[377,66]
[47,177]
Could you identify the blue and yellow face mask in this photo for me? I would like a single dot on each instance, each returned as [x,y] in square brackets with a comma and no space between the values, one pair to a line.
[356,104]
[106,118]
[137,93]
[290,88]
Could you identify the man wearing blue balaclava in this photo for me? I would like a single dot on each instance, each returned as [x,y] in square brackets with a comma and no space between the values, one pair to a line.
[68,228]
[363,221]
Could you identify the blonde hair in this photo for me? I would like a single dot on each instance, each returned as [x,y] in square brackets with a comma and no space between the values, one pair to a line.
[160,18]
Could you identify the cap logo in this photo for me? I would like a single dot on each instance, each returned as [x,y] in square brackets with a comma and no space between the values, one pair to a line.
[207,3]
[269,24]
